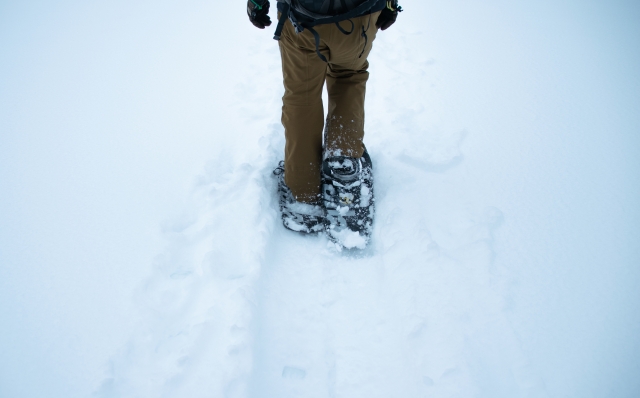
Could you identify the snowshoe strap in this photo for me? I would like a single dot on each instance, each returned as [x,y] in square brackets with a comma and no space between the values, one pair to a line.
[280,169]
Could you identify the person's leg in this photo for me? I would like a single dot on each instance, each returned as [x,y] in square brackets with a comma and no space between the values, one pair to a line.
[347,77]
[302,113]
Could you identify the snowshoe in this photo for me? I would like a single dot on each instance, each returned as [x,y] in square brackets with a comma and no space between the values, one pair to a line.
[347,193]
[297,216]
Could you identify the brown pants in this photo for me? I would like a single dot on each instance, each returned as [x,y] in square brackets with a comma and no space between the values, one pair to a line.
[304,74]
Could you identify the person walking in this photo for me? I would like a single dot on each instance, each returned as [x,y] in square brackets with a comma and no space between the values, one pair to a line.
[326,182]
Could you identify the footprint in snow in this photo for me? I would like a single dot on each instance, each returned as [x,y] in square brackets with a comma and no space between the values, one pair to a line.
[290,372]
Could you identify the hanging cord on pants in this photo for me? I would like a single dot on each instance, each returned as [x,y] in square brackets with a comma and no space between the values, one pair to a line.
[366,38]
[300,23]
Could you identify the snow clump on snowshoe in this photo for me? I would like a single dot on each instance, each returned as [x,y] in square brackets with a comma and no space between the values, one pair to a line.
[297,216]
[347,193]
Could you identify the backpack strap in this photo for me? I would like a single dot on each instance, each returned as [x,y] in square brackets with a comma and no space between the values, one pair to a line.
[316,37]
[303,19]
[344,32]
[284,14]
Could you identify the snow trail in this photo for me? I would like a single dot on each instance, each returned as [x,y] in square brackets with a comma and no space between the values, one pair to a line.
[504,137]
[198,306]
[239,306]
[408,314]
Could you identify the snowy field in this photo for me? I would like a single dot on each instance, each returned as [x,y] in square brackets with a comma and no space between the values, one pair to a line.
[141,251]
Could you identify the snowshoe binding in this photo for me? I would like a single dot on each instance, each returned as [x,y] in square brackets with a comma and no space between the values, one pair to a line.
[297,216]
[347,193]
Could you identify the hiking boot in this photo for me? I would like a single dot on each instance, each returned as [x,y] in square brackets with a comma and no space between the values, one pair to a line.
[297,216]
[347,194]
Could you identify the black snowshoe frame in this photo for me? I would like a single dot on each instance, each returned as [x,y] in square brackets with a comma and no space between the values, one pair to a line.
[347,194]
[293,220]
[348,201]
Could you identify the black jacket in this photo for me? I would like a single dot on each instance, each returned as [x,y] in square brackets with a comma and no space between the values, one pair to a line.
[378,6]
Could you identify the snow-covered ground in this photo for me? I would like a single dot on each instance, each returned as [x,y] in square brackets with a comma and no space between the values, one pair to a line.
[141,251]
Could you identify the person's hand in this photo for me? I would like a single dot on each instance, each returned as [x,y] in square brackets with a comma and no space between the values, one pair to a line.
[258,11]
[388,15]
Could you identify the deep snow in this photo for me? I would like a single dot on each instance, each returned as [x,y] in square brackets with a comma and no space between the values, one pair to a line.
[504,260]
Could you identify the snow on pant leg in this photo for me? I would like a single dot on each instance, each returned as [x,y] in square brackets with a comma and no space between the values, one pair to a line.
[347,77]
[302,113]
